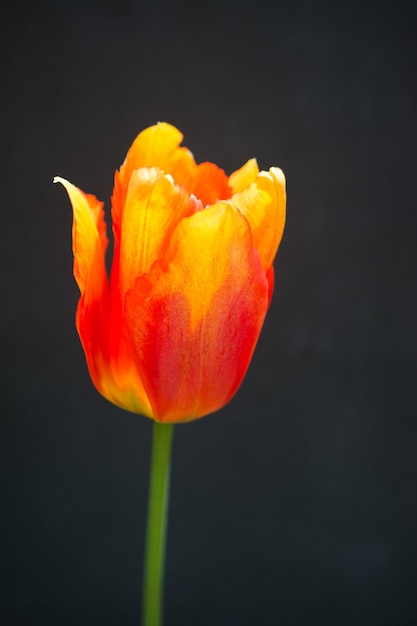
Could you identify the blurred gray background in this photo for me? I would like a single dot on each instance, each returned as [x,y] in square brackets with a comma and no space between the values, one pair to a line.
[296,504]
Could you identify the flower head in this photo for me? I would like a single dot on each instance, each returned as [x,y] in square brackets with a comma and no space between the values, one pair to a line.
[171,333]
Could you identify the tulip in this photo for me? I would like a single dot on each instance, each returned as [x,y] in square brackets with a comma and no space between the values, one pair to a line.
[171,333]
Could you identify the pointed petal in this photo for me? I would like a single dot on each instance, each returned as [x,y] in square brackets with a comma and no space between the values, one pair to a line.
[89,244]
[89,240]
[153,208]
[195,318]
[243,177]
[263,205]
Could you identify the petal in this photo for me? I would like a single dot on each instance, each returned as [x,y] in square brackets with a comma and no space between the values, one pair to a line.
[210,184]
[243,177]
[194,320]
[119,381]
[112,371]
[156,146]
[89,240]
[89,244]
[153,208]
[159,146]
[263,205]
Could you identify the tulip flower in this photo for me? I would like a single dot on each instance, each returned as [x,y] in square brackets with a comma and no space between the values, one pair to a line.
[171,334]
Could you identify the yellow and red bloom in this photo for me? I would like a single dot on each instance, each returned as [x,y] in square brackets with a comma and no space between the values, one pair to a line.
[170,335]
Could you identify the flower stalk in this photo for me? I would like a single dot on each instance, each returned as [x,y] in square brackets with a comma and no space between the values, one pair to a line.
[157,524]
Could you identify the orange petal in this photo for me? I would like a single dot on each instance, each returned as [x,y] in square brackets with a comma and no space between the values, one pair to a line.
[153,208]
[243,177]
[211,184]
[119,381]
[159,146]
[89,244]
[194,320]
[89,240]
[156,146]
[263,205]
[113,372]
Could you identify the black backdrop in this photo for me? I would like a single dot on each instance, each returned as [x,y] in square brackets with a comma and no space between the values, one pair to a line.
[296,504]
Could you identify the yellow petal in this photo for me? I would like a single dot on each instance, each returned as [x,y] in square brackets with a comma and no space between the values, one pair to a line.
[243,177]
[119,381]
[153,208]
[156,146]
[195,318]
[159,146]
[201,253]
[89,240]
[263,205]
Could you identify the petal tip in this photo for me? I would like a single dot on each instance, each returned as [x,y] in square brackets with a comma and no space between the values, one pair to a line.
[278,175]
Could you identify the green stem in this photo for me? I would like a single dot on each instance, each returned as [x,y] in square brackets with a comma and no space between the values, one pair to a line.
[157,524]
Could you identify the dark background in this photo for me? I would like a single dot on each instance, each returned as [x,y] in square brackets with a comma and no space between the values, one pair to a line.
[296,504]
